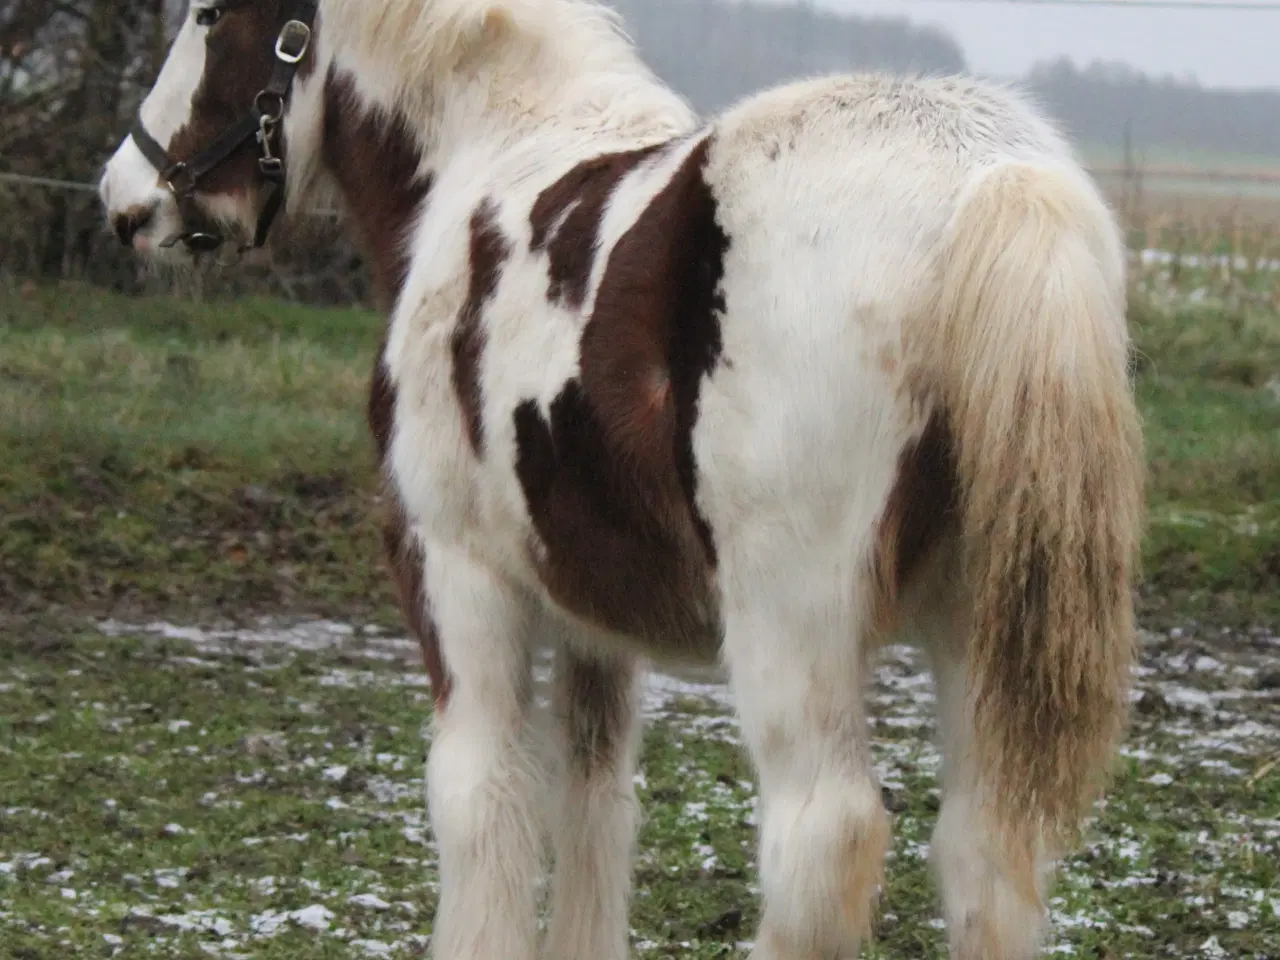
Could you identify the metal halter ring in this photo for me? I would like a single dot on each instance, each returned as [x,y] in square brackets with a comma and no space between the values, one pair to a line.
[274,115]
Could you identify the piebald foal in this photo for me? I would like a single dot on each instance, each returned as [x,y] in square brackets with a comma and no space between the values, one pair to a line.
[846,362]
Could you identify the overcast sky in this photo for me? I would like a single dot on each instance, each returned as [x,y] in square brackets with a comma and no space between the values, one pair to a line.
[1230,48]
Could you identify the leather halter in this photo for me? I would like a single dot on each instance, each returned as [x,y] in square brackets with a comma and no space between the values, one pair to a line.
[260,123]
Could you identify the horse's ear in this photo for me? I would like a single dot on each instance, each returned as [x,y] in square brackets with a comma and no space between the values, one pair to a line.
[473,23]
[497,18]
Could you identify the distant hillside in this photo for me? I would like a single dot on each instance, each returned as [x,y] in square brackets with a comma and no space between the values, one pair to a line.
[716,51]
[1165,115]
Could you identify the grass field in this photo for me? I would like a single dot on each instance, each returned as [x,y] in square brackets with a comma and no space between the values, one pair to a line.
[213,737]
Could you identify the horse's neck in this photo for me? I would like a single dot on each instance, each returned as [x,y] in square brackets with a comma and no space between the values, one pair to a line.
[383,156]
[383,153]
[379,166]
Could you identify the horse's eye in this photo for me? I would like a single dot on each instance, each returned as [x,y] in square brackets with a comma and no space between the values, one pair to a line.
[208,16]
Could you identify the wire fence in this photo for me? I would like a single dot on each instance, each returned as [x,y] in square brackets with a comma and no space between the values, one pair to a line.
[53,228]
[76,186]
[23,180]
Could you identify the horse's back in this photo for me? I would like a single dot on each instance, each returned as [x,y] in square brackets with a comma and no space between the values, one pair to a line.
[851,180]
[917,122]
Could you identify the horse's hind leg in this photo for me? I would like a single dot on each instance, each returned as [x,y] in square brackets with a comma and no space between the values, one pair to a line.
[483,785]
[992,895]
[795,651]
[596,712]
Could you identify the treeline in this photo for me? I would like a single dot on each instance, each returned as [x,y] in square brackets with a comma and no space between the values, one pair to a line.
[716,51]
[64,66]
[1097,102]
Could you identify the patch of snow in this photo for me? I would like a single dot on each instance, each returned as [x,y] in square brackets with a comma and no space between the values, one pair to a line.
[170,877]
[374,948]
[370,901]
[203,921]
[269,922]
[314,917]
[1187,697]
[1213,950]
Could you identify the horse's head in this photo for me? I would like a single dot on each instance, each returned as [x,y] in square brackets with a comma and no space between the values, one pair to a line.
[204,163]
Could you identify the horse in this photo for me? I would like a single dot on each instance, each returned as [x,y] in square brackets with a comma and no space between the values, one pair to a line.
[746,396]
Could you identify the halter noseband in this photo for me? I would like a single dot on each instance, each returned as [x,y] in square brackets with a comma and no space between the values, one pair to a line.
[184,176]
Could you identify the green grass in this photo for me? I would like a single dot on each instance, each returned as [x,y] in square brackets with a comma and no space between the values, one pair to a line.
[164,454]
[1209,390]
[260,795]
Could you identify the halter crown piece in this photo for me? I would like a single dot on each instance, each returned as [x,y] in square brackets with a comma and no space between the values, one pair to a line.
[260,123]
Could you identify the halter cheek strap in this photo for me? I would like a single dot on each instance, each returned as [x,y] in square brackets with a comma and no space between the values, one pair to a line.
[260,123]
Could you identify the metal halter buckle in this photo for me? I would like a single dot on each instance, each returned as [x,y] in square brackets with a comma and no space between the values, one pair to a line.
[170,177]
[296,31]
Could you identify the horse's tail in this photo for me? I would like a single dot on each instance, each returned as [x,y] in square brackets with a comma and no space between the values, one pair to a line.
[1034,372]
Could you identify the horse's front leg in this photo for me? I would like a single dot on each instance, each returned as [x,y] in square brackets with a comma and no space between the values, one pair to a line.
[483,782]
[596,702]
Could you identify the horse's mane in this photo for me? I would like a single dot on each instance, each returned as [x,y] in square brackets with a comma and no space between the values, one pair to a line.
[434,35]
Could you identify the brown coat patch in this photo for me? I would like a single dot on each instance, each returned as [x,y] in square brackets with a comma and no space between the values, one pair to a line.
[489,251]
[239,58]
[403,552]
[921,506]
[377,162]
[597,703]
[576,203]
[405,556]
[381,410]
[609,476]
